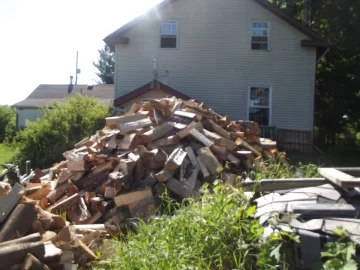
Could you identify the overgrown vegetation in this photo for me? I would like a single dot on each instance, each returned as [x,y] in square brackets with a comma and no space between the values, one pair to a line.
[214,233]
[7,121]
[44,141]
[339,254]
[6,154]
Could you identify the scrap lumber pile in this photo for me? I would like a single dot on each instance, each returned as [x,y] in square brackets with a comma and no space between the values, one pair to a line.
[118,174]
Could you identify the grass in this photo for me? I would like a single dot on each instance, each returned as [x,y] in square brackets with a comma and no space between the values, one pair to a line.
[214,233]
[6,154]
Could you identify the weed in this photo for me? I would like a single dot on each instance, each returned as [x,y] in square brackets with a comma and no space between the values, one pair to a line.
[214,233]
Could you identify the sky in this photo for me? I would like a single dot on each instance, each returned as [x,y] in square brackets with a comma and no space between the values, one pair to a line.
[39,40]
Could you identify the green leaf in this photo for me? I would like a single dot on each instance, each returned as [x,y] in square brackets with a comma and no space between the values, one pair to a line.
[350,265]
[251,210]
[276,253]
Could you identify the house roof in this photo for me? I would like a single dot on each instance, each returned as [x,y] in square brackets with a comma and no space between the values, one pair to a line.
[45,94]
[146,88]
[318,41]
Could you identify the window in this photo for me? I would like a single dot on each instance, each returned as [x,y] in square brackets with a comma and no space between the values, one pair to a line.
[260,36]
[260,105]
[169,32]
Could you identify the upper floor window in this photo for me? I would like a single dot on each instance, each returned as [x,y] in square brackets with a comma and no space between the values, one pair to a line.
[169,33]
[260,36]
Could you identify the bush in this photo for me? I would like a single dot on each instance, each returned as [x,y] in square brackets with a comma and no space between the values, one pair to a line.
[44,141]
[10,131]
[214,233]
[6,115]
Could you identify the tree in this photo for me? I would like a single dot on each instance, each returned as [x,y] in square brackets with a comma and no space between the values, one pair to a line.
[44,141]
[338,75]
[105,65]
[6,115]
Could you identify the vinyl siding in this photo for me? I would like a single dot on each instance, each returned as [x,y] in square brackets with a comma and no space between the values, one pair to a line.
[214,63]
[27,114]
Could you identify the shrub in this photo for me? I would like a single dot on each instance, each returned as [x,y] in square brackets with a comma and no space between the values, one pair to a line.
[44,141]
[10,131]
[6,115]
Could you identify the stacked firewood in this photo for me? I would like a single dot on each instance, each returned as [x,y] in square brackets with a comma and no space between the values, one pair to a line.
[119,173]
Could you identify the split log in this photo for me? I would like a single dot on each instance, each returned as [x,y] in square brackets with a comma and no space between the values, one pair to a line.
[212,136]
[65,204]
[18,252]
[64,176]
[175,159]
[94,219]
[110,193]
[56,194]
[143,209]
[207,157]
[8,202]
[36,227]
[91,236]
[210,125]
[157,132]
[164,175]
[188,115]
[171,140]
[131,197]
[40,193]
[180,189]
[243,143]
[52,253]
[201,138]
[49,236]
[130,141]
[32,263]
[221,151]
[191,154]
[18,223]
[131,126]
[186,131]
[108,166]
[204,170]
[31,238]
[4,189]
[227,143]
[234,159]
[89,255]
[193,179]
[76,165]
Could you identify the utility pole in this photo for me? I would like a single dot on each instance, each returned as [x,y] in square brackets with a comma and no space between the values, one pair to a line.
[77,69]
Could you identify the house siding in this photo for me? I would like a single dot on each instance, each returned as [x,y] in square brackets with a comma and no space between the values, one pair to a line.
[27,114]
[214,63]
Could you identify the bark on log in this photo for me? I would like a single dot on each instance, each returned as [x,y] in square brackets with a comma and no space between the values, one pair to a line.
[32,263]
[31,238]
[17,253]
[8,202]
[19,223]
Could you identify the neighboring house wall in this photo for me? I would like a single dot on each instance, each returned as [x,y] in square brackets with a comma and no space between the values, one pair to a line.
[27,114]
[214,62]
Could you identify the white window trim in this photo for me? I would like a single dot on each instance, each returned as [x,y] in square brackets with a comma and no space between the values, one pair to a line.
[269,35]
[260,106]
[177,35]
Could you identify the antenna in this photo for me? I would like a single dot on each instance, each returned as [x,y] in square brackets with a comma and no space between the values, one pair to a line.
[77,69]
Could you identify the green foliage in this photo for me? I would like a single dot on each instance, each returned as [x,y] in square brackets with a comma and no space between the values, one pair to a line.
[340,254]
[337,85]
[10,131]
[105,65]
[6,115]
[44,141]
[214,233]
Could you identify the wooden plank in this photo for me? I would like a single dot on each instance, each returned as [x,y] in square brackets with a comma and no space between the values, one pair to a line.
[175,159]
[8,202]
[131,126]
[207,157]
[282,184]
[18,223]
[131,197]
[201,138]
[339,178]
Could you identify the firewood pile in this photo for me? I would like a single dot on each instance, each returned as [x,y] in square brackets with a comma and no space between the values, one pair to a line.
[119,173]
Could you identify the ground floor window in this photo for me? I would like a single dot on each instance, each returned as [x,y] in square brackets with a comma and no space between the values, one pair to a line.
[259,105]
